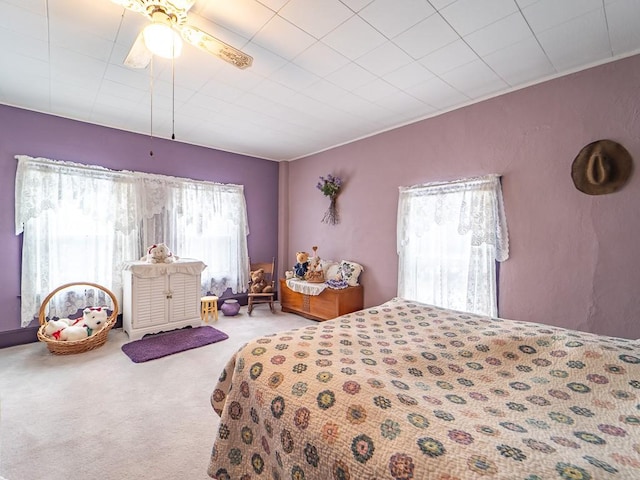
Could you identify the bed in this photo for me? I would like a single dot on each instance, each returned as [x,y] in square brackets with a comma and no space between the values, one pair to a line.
[411,391]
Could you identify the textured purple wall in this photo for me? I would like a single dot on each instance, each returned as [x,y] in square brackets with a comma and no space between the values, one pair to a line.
[574,258]
[38,135]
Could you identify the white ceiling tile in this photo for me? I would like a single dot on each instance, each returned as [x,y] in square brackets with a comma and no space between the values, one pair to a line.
[316,17]
[356,105]
[283,38]
[97,20]
[253,102]
[317,108]
[392,17]
[134,78]
[499,35]
[31,91]
[546,14]
[624,35]
[375,90]
[567,45]
[356,5]
[194,68]
[265,62]
[274,91]
[23,20]
[91,46]
[440,4]
[131,24]
[408,76]
[282,95]
[166,90]
[425,37]
[294,77]
[438,94]
[402,104]
[115,89]
[351,76]
[325,91]
[447,58]
[254,15]
[475,80]
[467,16]
[34,6]
[24,44]
[525,3]
[521,62]
[221,90]
[74,67]
[384,59]
[274,5]
[321,59]
[354,38]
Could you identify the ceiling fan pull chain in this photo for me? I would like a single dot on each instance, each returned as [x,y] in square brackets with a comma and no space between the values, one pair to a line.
[173,98]
[151,103]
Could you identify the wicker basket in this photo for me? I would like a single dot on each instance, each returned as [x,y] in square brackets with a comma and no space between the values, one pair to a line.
[96,340]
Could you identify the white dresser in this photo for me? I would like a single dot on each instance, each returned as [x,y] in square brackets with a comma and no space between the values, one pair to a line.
[160,297]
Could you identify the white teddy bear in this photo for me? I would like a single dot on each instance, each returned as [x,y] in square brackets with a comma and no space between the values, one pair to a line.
[54,328]
[94,318]
[67,329]
[73,332]
[159,253]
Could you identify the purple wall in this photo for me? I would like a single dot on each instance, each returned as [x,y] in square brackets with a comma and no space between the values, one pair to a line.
[38,135]
[574,258]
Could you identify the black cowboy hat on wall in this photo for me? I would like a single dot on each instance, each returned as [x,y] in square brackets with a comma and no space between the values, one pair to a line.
[601,167]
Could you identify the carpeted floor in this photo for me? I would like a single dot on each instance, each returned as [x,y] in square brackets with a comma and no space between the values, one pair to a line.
[98,415]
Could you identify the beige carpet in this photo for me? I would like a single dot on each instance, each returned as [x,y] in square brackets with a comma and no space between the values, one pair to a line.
[97,415]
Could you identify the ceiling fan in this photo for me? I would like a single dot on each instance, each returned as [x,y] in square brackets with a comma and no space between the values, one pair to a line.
[168,18]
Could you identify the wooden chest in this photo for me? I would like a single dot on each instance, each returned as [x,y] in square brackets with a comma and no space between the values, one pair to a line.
[329,304]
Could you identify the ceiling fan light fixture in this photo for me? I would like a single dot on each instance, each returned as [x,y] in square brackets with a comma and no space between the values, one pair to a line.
[162,40]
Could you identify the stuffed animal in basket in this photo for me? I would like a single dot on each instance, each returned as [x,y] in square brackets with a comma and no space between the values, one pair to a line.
[302,264]
[53,328]
[94,318]
[73,332]
[159,253]
[258,282]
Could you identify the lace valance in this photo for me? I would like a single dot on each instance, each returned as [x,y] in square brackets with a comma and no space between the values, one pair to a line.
[477,206]
[43,184]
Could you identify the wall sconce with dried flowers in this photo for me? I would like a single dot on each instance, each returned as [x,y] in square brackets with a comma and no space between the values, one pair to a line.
[330,187]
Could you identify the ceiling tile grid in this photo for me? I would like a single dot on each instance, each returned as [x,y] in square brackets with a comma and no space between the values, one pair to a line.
[324,73]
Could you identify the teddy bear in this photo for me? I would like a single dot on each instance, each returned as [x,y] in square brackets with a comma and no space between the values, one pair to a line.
[73,332]
[302,264]
[159,253]
[94,318]
[258,282]
[314,274]
[53,328]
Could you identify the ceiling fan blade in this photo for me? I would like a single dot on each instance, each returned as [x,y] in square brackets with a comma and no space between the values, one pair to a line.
[134,5]
[216,47]
[139,56]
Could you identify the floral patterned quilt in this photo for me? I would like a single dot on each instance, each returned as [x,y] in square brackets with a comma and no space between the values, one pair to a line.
[410,391]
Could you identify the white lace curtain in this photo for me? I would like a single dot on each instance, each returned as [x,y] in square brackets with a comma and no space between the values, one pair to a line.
[449,237]
[199,220]
[80,223]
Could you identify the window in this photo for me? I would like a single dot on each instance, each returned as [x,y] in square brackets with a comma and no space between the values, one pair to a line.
[449,238]
[81,223]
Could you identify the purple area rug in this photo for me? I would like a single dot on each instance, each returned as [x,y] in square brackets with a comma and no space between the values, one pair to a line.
[167,343]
